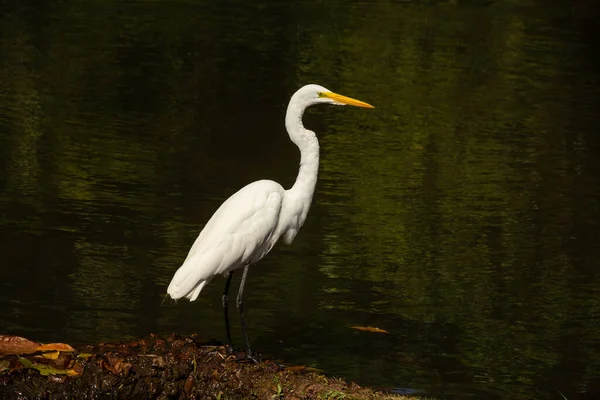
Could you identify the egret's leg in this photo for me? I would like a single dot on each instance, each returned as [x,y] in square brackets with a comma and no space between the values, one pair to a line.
[240,306]
[226,311]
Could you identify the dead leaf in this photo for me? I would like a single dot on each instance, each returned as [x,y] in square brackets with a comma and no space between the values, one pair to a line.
[64,361]
[12,345]
[116,365]
[54,347]
[75,371]
[189,385]
[302,368]
[158,362]
[50,355]
[369,329]
[46,369]
[13,364]
[55,359]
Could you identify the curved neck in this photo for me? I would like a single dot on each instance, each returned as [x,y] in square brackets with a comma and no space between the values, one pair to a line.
[308,144]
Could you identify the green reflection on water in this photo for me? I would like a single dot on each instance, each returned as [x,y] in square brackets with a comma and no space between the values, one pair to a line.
[461,214]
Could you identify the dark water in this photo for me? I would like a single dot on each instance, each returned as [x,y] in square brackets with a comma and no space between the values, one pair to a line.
[462,214]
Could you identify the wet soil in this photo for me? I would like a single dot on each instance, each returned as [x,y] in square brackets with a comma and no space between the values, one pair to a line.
[162,368]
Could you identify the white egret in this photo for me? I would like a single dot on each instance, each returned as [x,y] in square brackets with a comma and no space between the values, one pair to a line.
[249,223]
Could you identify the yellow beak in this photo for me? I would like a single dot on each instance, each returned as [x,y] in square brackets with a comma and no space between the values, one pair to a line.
[346,100]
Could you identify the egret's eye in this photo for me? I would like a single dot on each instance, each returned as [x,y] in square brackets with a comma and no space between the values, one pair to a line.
[321,94]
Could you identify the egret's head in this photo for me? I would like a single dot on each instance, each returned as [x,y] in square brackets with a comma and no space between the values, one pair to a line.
[315,94]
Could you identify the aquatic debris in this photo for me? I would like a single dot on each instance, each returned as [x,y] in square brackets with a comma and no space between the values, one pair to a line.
[369,329]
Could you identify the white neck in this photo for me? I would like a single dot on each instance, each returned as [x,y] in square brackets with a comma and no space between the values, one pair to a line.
[307,142]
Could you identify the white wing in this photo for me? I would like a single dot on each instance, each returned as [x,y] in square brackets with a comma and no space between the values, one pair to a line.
[240,232]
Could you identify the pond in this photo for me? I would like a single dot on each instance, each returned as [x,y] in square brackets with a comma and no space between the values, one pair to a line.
[461,215]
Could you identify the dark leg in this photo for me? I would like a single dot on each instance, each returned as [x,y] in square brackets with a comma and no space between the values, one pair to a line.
[226,311]
[240,306]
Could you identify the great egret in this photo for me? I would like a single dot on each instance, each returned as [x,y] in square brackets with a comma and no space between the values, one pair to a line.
[249,223]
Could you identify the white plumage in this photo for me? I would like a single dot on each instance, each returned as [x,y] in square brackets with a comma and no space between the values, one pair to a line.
[240,232]
[248,224]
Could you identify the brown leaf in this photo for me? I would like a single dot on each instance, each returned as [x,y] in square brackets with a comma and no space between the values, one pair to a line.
[369,329]
[14,364]
[189,385]
[54,347]
[116,365]
[76,370]
[11,345]
[106,365]
[64,361]
[158,362]
[302,368]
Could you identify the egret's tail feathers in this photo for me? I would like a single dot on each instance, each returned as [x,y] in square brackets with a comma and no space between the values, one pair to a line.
[193,295]
[187,288]
[196,271]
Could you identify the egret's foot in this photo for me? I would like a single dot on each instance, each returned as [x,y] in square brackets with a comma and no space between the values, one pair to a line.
[246,357]
[228,349]
[249,359]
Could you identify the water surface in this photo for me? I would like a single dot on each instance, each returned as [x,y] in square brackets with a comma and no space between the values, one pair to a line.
[461,214]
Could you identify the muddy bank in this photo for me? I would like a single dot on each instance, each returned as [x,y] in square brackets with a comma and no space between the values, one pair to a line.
[157,368]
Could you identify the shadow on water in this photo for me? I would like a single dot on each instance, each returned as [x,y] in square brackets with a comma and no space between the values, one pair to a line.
[461,215]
